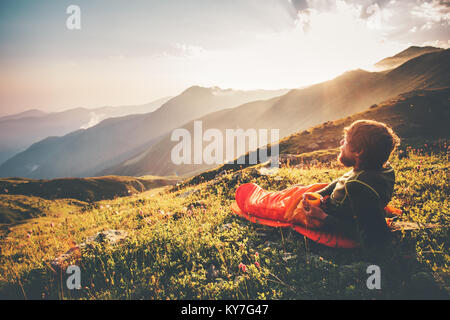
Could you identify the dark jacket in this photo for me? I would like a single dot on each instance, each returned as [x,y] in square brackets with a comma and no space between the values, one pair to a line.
[356,202]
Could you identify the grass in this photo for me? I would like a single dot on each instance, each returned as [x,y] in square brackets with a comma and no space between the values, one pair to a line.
[83,189]
[184,243]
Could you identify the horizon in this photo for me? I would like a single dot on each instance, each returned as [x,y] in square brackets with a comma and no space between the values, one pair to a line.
[133,55]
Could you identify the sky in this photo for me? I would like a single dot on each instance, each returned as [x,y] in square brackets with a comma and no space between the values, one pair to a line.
[134,52]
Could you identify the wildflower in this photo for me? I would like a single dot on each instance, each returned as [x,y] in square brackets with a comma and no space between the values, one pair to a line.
[243,267]
[28,235]
[52,225]
[256,255]
[257,264]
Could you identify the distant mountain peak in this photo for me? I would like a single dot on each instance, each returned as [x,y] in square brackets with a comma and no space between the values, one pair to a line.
[195,89]
[404,56]
[416,49]
[24,114]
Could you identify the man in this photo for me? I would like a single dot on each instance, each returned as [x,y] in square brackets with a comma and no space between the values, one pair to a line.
[354,203]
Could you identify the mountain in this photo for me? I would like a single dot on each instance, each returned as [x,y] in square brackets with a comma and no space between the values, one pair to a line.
[416,117]
[84,152]
[19,131]
[28,113]
[83,189]
[352,92]
[402,57]
[99,114]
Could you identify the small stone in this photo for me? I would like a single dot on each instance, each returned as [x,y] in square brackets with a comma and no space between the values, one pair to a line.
[212,272]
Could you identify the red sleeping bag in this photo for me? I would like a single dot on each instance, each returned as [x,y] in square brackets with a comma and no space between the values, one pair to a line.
[269,208]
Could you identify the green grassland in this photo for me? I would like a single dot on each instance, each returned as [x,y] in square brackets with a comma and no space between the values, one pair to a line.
[83,189]
[22,198]
[184,242]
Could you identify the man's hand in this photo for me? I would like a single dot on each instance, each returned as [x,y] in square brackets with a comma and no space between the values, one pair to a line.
[314,216]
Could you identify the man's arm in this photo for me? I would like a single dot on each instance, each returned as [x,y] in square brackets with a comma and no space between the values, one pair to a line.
[328,190]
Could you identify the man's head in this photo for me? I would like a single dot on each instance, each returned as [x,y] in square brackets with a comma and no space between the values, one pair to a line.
[367,144]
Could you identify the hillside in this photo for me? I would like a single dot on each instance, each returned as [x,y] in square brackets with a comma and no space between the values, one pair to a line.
[22,198]
[83,189]
[352,92]
[19,208]
[86,152]
[184,243]
[19,131]
[402,57]
[415,117]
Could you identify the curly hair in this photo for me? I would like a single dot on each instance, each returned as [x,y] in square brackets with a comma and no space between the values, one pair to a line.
[375,141]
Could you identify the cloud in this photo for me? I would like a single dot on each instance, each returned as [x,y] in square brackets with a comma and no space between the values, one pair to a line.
[438,43]
[95,119]
[299,4]
[189,50]
[433,12]
[402,21]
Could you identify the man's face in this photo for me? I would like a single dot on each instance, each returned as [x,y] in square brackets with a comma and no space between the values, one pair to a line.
[346,157]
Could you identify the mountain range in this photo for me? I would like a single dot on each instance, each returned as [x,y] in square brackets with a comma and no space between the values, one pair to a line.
[137,145]
[20,131]
[350,93]
[85,152]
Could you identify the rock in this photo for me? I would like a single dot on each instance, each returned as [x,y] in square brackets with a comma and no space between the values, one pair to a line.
[227,226]
[110,237]
[60,261]
[288,256]
[235,177]
[268,172]
[313,146]
[212,272]
[319,261]
[186,193]
[352,271]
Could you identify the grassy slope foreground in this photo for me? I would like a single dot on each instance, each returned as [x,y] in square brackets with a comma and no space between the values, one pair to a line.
[184,243]
[22,198]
